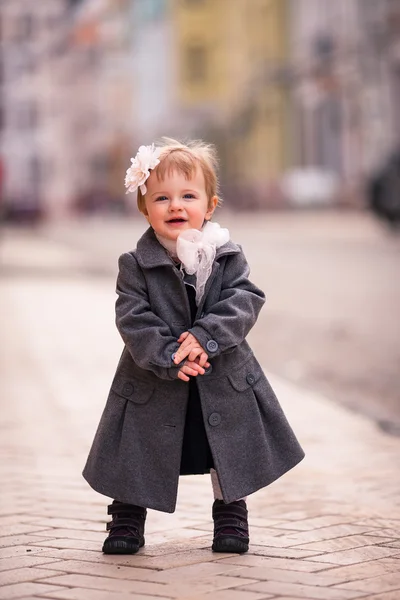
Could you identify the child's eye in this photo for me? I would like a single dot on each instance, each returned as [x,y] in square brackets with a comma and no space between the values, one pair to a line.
[189,196]
[161,198]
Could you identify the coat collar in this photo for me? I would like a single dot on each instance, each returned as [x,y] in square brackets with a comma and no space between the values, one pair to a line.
[150,253]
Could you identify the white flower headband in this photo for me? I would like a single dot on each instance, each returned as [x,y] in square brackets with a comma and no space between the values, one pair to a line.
[147,158]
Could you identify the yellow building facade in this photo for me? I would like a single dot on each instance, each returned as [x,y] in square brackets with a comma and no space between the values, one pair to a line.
[231,61]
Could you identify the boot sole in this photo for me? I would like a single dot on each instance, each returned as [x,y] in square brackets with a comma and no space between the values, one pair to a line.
[122,545]
[230,544]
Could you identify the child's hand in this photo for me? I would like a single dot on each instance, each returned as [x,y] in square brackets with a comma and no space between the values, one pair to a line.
[191,369]
[190,348]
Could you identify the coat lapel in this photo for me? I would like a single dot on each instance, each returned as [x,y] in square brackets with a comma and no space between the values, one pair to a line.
[151,254]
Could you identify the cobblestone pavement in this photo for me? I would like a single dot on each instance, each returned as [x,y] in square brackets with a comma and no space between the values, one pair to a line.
[328,530]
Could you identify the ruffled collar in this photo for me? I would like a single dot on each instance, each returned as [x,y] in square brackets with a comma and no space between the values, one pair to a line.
[196,251]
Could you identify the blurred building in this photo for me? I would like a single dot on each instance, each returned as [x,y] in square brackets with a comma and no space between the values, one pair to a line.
[276,84]
[345,75]
[101,115]
[231,60]
[27,42]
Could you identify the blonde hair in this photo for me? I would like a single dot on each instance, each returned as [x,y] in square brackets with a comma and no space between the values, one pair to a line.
[185,158]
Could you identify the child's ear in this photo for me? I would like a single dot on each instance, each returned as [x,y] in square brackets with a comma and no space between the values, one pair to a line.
[212,205]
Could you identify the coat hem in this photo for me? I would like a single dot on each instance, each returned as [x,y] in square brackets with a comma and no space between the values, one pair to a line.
[129,500]
[228,498]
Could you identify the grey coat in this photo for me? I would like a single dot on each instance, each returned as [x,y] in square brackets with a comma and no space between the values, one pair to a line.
[136,452]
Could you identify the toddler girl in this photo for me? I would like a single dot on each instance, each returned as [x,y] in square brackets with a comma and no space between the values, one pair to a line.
[188,396]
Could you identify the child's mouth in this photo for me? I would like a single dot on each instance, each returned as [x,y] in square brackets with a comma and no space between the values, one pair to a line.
[176,221]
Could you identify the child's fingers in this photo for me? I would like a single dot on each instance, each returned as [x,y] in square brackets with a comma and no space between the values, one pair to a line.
[194,366]
[182,376]
[183,337]
[194,353]
[183,351]
[193,369]
[202,358]
[180,355]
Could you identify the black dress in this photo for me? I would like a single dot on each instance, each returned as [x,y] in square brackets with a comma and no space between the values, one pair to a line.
[196,454]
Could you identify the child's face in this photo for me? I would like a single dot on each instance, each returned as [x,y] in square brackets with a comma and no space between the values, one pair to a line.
[177,203]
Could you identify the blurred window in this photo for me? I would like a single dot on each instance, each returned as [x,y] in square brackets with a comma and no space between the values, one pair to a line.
[25,27]
[35,169]
[151,10]
[54,20]
[196,64]
[26,116]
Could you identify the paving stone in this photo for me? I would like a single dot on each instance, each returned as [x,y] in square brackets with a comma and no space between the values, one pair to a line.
[77,534]
[302,591]
[185,589]
[283,552]
[24,561]
[10,551]
[199,542]
[69,524]
[277,563]
[102,569]
[266,573]
[366,569]
[317,522]
[24,574]
[20,528]
[394,544]
[381,583]
[70,543]
[107,583]
[87,594]
[197,571]
[21,540]
[20,517]
[233,595]
[344,543]
[385,596]
[327,533]
[357,555]
[18,590]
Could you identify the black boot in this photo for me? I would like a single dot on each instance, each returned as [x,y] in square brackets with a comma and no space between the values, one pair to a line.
[126,528]
[231,529]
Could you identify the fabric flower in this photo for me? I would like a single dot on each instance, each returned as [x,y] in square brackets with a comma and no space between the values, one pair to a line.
[196,251]
[139,171]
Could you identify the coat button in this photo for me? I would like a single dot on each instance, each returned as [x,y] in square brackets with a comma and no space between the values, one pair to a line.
[214,419]
[208,370]
[173,356]
[127,390]
[212,346]
[250,378]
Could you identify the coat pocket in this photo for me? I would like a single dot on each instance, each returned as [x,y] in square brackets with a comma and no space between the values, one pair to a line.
[132,389]
[245,376]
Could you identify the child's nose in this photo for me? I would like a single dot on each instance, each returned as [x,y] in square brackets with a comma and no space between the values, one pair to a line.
[175,203]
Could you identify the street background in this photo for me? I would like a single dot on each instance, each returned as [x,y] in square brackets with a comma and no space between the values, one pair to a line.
[302,100]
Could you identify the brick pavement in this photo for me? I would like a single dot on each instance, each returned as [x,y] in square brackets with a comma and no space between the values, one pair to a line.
[329,530]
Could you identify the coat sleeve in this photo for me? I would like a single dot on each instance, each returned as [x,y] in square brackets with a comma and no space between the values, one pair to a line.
[227,323]
[147,337]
